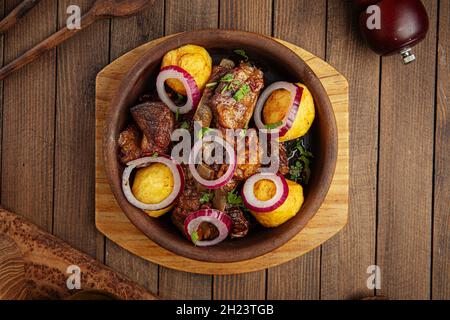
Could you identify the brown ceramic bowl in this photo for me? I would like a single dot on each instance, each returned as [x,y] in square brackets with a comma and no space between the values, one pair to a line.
[279,63]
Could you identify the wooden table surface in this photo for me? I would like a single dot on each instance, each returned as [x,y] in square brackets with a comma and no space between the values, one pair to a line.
[399,139]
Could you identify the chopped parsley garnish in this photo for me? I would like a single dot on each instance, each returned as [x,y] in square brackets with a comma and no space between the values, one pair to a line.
[273,125]
[300,171]
[194,237]
[206,197]
[177,115]
[178,97]
[202,132]
[211,85]
[243,132]
[235,199]
[241,53]
[245,89]
[155,155]
[227,78]
[184,125]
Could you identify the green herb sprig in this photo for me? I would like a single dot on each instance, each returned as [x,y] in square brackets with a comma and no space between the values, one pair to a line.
[206,197]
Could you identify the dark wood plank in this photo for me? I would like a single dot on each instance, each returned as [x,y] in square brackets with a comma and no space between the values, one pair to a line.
[190,15]
[78,61]
[2,42]
[299,278]
[183,286]
[441,234]
[405,170]
[28,119]
[247,286]
[127,34]
[184,16]
[246,15]
[346,257]
[241,15]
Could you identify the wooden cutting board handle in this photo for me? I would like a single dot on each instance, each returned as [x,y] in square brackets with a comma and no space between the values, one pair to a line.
[32,257]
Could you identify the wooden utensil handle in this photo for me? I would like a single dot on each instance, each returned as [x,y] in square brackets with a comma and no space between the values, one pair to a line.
[46,45]
[16,14]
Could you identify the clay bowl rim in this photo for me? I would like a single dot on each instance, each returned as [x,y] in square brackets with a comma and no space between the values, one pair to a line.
[233,251]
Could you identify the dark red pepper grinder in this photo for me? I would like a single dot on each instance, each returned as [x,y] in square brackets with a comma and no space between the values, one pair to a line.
[393,26]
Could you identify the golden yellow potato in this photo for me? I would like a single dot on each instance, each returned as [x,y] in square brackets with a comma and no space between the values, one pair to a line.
[195,60]
[153,184]
[277,105]
[284,212]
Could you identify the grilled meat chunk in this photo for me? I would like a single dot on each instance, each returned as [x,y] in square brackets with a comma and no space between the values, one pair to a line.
[248,160]
[129,141]
[188,202]
[203,112]
[240,223]
[235,97]
[156,122]
[283,160]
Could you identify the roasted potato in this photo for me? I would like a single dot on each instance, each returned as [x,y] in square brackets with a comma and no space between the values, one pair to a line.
[277,106]
[195,60]
[152,185]
[264,190]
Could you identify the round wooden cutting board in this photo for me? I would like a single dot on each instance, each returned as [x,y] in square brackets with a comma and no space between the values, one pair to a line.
[329,220]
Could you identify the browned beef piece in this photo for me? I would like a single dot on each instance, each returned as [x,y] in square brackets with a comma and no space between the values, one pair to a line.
[203,112]
[232,114]
[283,160]
[249,161]
[240,222]
[129,141]
[156,122]
[188,202]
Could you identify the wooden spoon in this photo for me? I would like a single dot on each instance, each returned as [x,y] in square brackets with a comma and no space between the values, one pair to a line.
[100,10]
[16,14]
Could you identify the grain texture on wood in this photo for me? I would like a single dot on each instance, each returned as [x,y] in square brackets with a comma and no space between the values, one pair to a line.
[329,220]
[28,120]
[290,16]
[48,262]
[302,23]
[249,286]
[13,284]
[346,257]
[127,34]
[2,44]
[190,15]
[247,15]
[241,15]
[441,223]
[100,9]
[177,285]
[16,14]
[405,170]
[184,16]
[73,219]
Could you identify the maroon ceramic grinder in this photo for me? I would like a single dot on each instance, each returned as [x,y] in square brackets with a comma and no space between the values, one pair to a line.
[393,26]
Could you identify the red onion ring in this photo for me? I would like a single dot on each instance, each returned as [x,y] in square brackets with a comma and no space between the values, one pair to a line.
[288,121]
[281,194]
[178,185]
[223,180]
[220,220]
[192,90]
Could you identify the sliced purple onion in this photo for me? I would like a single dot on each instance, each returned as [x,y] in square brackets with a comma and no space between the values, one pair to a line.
[178,182]
[296,97]
[254,204]
[221,181]
[217,218]
[192,90]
